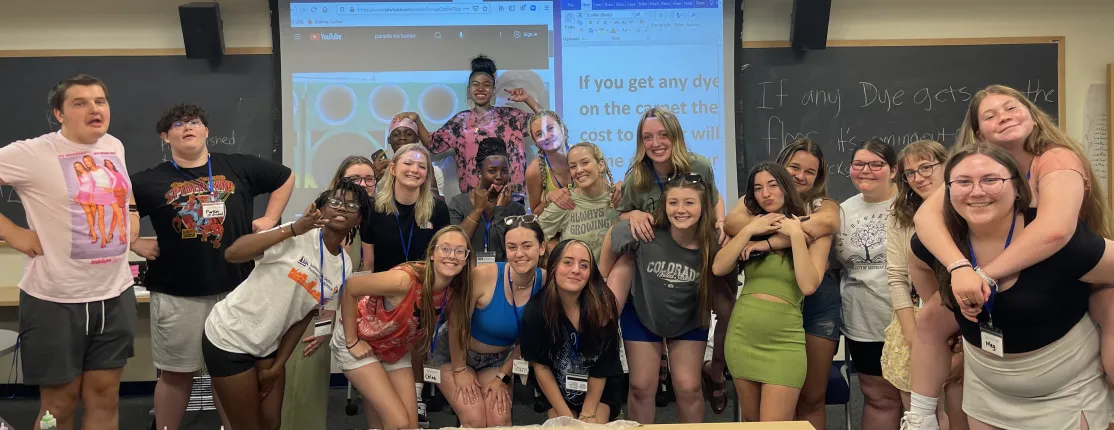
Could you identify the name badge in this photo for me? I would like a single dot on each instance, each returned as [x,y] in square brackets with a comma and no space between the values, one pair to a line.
[427,226]
[992,340]
[485,257]
[212,210]
[430,374]
[322,328]
[522,369]
[578,383]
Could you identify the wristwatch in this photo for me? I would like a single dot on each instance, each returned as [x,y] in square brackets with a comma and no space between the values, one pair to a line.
[504,377]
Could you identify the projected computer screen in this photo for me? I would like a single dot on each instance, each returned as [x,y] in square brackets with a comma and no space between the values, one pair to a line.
[348,67]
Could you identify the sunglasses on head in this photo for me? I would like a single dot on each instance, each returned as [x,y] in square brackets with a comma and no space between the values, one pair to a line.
[525,219]
[690,177]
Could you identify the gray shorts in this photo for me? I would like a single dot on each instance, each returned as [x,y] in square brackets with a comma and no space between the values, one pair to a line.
[59,341]
[476,360]
[821,310]
[176,327]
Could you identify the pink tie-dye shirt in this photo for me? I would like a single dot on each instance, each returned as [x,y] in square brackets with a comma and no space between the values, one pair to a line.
[463,133]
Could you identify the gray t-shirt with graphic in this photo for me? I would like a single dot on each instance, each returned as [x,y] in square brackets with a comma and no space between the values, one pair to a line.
[666,290]
[860,247]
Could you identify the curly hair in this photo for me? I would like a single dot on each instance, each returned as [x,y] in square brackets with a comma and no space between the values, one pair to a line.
[357,191]
[491,146]
[181,112]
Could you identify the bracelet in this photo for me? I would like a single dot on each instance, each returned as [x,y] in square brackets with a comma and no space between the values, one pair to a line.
[993,283]
[469,218]
[958,265]
[769,244]
[293,233]
[353,344]
[460,370]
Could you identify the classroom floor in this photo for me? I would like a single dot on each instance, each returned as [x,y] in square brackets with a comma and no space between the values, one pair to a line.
[134,413]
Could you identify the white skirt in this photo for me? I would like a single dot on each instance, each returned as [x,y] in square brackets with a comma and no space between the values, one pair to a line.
[1047,390]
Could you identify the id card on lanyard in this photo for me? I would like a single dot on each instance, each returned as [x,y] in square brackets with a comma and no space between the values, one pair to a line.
[327,309]
[429,373]
[576,382]
[992,338]
[486,256]
[214,208]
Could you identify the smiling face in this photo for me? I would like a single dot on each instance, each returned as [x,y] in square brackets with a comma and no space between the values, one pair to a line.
[803,168]
[363,175]
[682,207]
[584,167]
[410,169]
[923,185]
[768,193]
[977,192]
[866,179]
[84,114]
[446,261]
[655,140]
[574,268]
[1004,121]
[187,136]
[481,88]
[523,249]
[341,218]
[548,133]
[495,170]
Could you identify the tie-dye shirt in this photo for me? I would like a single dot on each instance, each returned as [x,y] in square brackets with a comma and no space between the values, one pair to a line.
[463,133]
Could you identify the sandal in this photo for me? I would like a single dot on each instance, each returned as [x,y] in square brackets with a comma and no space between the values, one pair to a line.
[710,386]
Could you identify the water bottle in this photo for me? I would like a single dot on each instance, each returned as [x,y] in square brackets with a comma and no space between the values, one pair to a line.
[48,422]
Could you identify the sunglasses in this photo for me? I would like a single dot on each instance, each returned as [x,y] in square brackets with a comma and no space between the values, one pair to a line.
[525,219]
[690,177]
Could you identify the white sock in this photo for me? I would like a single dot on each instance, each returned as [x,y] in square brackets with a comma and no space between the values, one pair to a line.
[418,386]
[921,405]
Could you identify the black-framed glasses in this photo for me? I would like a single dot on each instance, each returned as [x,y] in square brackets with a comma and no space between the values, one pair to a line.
[988,185]
[925,171]
[690,177]
[445,251]
[526,219]
[335,203]
[360,180]
[874,165]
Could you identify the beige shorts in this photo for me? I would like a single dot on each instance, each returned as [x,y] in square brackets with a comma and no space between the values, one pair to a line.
[345,361]
[176,327]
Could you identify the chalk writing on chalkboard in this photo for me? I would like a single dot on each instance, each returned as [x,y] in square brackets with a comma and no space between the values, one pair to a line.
[1096,128]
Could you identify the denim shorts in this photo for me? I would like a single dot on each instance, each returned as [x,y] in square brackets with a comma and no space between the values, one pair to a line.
[476,360]
[821,310]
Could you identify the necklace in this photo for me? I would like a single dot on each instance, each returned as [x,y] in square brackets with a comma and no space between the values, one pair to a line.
[528,284]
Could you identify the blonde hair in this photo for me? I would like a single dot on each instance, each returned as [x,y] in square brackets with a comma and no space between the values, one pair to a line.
[1045,136]
[459,291]
[385,195]
[598,155]
[642,169]
[543,165]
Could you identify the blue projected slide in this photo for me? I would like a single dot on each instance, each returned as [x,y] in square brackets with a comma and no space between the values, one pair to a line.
[349,67]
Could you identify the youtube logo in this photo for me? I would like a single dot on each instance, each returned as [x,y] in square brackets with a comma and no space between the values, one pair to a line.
[315,36]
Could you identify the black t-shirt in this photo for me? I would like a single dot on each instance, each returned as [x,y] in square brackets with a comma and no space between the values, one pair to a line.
[191,249]
[579,353]
[1047,299]
[387,234]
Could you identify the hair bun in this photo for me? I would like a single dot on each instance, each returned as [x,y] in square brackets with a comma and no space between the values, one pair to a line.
[483,64]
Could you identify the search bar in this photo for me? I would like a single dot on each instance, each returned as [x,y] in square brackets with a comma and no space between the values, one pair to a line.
[401,10]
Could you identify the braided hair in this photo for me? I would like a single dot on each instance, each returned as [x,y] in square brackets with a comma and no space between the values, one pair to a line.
[491,146]
[598,155]
[362,198]
[543,167]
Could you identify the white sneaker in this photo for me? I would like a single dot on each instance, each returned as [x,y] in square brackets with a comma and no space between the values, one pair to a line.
[912,421]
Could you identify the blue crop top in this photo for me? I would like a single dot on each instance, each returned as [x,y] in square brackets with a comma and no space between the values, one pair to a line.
[498,323]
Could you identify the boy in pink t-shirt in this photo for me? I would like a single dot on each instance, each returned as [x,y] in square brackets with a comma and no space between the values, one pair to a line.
[77,308]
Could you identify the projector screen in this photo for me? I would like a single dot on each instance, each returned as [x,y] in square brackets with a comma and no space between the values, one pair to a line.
[348,67]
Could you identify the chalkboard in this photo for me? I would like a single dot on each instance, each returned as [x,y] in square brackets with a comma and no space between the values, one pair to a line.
[238,93]
[843,95]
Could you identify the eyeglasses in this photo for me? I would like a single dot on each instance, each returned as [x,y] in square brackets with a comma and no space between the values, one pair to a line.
[360,180]
[526,219]
[351,207]
[444,251]
[874,165]
[925,171]
[193,123]
[690,177]
[963,187]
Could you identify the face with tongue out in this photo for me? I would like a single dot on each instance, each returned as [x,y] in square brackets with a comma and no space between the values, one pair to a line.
[84,115]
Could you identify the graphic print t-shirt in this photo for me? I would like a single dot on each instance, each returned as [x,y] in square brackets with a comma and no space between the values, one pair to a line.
[285,286]
[569,355]
[861,250]
[191,248]
[666,281]
[76,200]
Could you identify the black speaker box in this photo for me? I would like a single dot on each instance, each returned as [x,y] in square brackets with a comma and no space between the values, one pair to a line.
[808,28]
[202,30]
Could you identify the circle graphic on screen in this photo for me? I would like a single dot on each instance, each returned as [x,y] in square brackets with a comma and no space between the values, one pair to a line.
[438,103]
[336,104]
[386,101]
[334,149]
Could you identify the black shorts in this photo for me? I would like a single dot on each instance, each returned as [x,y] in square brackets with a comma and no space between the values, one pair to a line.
[221,363]
[865,356]
[60,341]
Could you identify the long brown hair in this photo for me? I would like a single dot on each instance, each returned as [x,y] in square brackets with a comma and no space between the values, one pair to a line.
[350,161]
[957,226]
[793,203]
[819,188]
[597,302]
[1045,136]
[908,201]
[641,167]
[459,290]
[706,236]
[385,195]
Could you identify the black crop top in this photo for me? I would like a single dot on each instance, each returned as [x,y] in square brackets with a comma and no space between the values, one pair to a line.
[1047,299]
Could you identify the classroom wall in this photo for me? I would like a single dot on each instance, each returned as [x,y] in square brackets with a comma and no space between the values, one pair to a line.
[154,24]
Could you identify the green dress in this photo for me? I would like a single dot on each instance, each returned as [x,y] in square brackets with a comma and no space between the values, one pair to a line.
[765,340]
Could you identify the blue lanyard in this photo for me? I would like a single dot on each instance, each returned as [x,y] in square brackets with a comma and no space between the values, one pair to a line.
[321,267]
[514,301]
[989,305]
[551,175]
[575,348]
[487,227]
[405,243]
[656,178]
[208,162]
[440,314]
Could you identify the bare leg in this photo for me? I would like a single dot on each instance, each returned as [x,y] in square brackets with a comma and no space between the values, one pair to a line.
[930,360]
[953,395]
[61,401]
[389,409]
[88,209]
[811,402]
[100,394]
[778,402]
[750,399]
[172,396]
[882,404]
[99,209]
[270,408]
[643,362]
[242,398]
[686,359]
[979,425]
[472,414]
